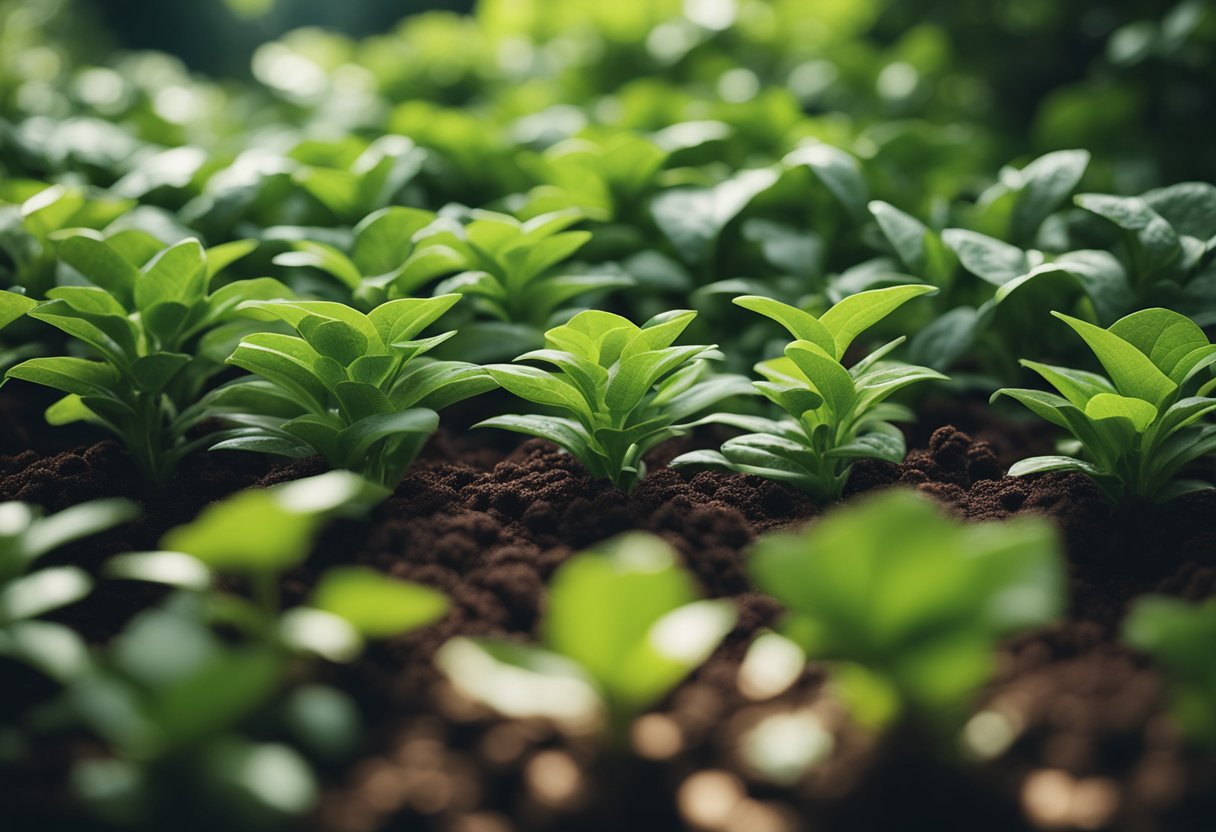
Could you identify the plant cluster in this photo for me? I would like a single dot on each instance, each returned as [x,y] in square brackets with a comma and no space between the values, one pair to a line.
[621,389]
[835,416]
[321,259]
[355,389]
[1140,427]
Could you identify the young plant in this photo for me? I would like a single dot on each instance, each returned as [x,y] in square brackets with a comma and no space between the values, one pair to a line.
[1180,637]
[353,388]
[621,389]
[27,593]
[907,605]
[187,692]
[623,626]
[835,416]
[260,534]
[158,334]
[513,274]
[1138,428]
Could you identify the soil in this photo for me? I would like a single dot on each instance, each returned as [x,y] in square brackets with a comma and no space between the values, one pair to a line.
[487,521]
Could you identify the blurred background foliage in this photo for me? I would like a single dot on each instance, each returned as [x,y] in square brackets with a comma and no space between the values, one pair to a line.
[940,91]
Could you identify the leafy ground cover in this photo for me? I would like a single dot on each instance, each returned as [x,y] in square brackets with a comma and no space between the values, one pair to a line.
[867,479]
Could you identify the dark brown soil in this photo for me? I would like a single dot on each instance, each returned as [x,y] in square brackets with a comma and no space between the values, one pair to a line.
[1090,746]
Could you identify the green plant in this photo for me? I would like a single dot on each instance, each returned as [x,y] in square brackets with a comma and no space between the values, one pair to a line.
[27,592]
[834,416]
[1137,430]
[1179,636]
[623,626]
[621,389]
[353,388]
[159,334]
[260,534]
[907,605]
[172,696]
[513,274]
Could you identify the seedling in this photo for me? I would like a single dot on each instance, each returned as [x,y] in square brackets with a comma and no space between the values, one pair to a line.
[1179,636]
[353,388]
[184,692]
[260,534]
[835,415]
[623,627]
[621,389]
[27,593]
[1139,427]
[907,605]
[159,333]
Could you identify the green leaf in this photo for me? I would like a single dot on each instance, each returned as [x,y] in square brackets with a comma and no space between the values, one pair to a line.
[88,253]
[40,592]
[71,375]
[693,218]
[802,325]
[1043,464]
[1078,386]
[539,387]
[268,530]
[566,433]
[400,320]
[326,258]
[604,608]
[905,233]
[14,306]
[838,171]
[375,604]
[989,259]
[224,255]
[356,441]
[178,274]
[1133,373]
[286,361]
[1154,242]
[857,313]
[248,533]
[630,379]
[825,374]
[1110,406]
[1047,183]
[1166,337]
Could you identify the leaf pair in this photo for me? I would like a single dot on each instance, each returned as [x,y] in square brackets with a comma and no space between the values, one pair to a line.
[158,333]
[835,416]
[353,388]
[908,605]
[624,626]
[621,389]
[1141,424]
